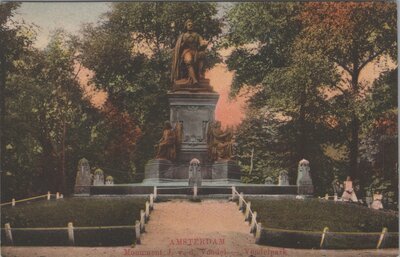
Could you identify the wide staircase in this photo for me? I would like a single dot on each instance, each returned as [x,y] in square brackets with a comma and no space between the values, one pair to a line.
[185,228]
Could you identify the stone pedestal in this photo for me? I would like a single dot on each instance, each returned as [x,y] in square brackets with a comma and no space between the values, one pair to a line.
[194,110]
[158,170]
[226,171]
[304,181]
[83,178]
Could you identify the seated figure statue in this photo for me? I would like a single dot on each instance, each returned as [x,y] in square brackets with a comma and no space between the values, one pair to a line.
[169,142]
[219,142]
[188,60]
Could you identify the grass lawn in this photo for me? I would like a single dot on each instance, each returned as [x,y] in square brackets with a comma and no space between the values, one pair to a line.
[314,215]
[90,211]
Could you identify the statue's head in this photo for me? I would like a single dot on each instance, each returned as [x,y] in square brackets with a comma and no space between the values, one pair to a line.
[167,125]
[189,25]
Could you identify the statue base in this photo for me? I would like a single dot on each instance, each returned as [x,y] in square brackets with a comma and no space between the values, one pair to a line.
[157,170]
[161,171]
[82,190]
[225,171]
[186,85]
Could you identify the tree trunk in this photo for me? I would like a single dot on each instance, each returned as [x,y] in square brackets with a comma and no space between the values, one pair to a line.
[353,156]
[302,133]
[2,109]
[354,125]
[62,163]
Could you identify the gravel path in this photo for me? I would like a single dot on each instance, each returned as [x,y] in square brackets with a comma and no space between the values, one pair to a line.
[182,228]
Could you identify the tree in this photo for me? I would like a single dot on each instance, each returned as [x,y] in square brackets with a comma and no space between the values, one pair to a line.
[15,39]
[295,55]
[113,139]
[262,34]
[379,141]
[351,35]
[130,53]
[48,119]
[289,84]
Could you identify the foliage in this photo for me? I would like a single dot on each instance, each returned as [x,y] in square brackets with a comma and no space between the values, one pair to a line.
[48,118]
[347,35]
[289,95]
[379,144]
[113,140]
[303,61]
[15,39]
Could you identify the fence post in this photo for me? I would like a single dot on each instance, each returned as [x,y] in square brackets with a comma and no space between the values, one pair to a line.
[151,201]
[137,232]
[8,233]
[13,202]
[142,220]
[57,195]
[61,196]
[381,238]
[253,223]
[48,195]
[71,233]
[326,197]
[147,212]
[258,233]
[233,193]
[326,229]
[241,201]
[335,198]
[247,212]
[155,192]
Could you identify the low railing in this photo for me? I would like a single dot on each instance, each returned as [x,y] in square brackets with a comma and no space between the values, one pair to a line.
[325,235]
[47,196]
[139,226]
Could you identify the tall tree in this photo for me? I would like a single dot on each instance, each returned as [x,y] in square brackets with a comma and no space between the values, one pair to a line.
[379,140]
[48,120]
[294,55]
[351,35]
[288,83]
[15,39]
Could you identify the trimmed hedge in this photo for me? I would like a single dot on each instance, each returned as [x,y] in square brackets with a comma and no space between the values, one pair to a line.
[315,214]
[83,212]
[299,224]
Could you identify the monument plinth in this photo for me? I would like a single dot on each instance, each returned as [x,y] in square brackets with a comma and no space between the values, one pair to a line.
[195,111]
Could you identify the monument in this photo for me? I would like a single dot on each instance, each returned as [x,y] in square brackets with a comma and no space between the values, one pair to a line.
[192,131]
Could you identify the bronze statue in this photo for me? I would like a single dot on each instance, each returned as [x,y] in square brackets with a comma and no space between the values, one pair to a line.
[170,142]
[188,60]
[219,141]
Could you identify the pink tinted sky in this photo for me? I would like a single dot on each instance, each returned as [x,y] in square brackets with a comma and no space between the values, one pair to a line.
[228,111]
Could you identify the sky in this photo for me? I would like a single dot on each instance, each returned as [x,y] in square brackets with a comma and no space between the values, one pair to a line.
[71,16]
[51,16]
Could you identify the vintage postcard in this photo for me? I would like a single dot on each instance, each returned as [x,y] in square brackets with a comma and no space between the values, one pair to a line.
[189,128]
